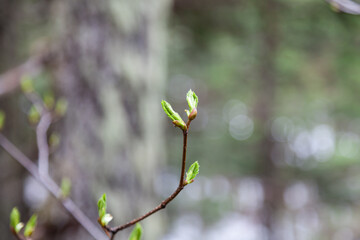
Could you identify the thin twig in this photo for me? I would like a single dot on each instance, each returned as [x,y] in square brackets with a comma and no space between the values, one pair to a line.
[346,6]
[53,188]
[41,132]
[162,205]
[43,146]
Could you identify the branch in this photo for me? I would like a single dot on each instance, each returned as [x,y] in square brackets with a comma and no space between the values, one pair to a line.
[346,6]
[43,147]
[52,187]
[162,205]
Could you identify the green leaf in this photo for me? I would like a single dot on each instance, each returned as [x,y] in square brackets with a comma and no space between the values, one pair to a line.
[49,100]
[102,206]
[33,115]
[170,112]
[177,121]
[192,100]
[106,219]
[30,226]
[2,119]
[61,107]
[65,187]
[14,217]
[136,232]
[192,172]
[27,84]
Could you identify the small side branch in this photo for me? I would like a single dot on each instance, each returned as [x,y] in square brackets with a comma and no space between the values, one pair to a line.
[43,147]
[346,6]
[53,188]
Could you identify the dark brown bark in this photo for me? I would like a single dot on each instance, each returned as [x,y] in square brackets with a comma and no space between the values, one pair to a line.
[264,110]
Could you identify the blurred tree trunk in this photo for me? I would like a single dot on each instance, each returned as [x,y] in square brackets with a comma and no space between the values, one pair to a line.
[109,63]
[264,111]
[112,71]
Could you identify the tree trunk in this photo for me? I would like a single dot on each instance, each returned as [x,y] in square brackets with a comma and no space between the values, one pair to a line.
[112,72]
[109,63]
[264,111]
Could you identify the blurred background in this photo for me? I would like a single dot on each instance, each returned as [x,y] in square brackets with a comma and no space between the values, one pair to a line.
[277,131]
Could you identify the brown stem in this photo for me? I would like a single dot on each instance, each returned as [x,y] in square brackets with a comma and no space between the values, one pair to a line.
[162,205]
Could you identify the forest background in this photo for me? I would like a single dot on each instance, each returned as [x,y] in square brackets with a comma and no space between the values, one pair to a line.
[277,132]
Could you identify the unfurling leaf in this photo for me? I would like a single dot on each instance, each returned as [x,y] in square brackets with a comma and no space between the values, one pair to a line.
[30,226]
[136,232]
[192,100]
[106,219]
[192,172]
[102,206]
[170,112]
[173,115]
[65,187]
[14,218]
[2,119]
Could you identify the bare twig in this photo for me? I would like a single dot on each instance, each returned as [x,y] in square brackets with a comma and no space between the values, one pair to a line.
[53,188]
[346,6]
[43,147]
[162,205]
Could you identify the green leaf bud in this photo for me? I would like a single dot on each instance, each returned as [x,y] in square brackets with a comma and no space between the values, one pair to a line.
[18,227]
[30,226]
[106,219]
[102,206]
[173,115]
[61,107]
[14,218]
[33,115]
[193,114]
[192,172]
[2,119]
[27,84]
[192,100]
[170,112]
[49,100]
[65,187]
[136,232]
